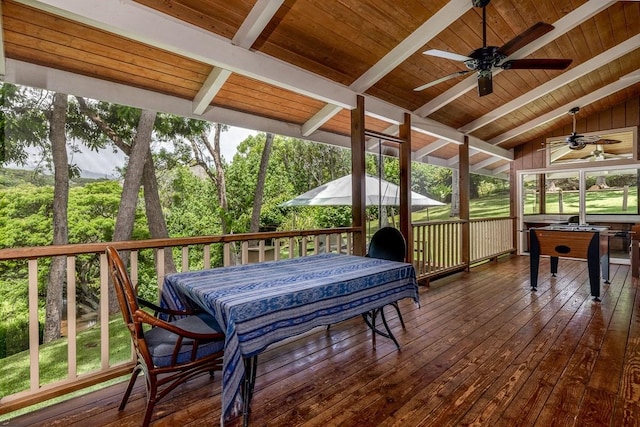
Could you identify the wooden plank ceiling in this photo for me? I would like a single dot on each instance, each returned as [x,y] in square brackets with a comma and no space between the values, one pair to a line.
[294,67]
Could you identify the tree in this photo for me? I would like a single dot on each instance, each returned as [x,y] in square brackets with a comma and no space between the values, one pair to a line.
[208,157]
[58,139]
[24,122]
[262,174]
[120,124]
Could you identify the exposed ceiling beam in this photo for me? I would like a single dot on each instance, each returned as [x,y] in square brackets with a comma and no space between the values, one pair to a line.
[146,26]
[563,79]
[421,36]
[562,26]
[594,96]
[253,25]
[139,23]
[486,148]
[209,89]
[29,74]
[455,159]
[255,22]
[483,164]
[407,47]
[320,118]
[424,151]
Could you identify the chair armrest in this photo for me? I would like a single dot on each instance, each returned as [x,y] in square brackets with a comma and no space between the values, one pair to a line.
[147,318]
[157,309]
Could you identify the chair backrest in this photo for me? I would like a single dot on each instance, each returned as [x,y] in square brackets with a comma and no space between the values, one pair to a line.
[128,301]
[388,243]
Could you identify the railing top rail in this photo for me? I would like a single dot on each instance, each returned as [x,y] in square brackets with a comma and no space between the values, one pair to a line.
[462,221]
[450,221]
[497,218]
[84,248]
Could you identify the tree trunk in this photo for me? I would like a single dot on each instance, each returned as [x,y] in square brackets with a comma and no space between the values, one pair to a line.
[132,180]
[455,194]
[254,227]
[601,181]
[155,217]
[53,316]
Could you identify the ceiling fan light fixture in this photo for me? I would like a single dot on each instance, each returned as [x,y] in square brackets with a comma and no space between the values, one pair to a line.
[485,82]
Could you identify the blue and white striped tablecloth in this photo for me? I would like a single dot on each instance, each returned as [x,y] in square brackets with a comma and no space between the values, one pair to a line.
[260,304]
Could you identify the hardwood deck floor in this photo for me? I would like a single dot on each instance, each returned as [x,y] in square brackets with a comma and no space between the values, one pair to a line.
[481,350]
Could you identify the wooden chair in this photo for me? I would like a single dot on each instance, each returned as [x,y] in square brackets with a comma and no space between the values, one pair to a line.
[167,352]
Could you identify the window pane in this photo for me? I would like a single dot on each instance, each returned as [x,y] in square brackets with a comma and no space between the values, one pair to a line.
[612,192]
[562,193]
[530,194]
[489,197]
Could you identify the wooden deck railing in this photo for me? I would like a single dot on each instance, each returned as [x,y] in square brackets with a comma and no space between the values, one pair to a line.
[437,249]
[490,237]
[237,249]
[437,245]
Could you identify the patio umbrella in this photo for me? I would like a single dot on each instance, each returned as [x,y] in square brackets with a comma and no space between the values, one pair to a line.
[338,192]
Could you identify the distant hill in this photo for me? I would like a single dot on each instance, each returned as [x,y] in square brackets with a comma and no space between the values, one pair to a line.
[10,177]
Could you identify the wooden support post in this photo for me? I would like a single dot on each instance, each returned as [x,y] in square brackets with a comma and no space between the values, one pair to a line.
[513,207]
[358,177]
[405,184]
[463,173]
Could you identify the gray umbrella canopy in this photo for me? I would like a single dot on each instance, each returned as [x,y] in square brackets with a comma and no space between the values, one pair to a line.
[338,192]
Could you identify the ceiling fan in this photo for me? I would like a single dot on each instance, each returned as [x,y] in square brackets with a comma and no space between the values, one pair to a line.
[484,59]
[578,142]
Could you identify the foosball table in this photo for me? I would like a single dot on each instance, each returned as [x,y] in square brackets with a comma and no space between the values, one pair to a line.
[571,241]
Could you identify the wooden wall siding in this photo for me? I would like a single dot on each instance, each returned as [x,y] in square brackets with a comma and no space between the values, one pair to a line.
[627,114]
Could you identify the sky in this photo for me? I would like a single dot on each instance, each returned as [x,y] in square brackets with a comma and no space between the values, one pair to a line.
[104,163]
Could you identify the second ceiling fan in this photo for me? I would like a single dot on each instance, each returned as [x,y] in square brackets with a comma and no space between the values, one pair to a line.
[484,59]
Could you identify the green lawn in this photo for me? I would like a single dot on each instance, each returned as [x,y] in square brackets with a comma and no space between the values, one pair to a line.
[14,370]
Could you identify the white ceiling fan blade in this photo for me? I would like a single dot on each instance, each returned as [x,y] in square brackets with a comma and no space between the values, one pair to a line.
[442,79]
[446,55]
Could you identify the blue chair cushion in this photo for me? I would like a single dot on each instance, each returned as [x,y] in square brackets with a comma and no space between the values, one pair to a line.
[162,342]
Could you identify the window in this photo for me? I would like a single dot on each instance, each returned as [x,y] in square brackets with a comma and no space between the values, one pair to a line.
[611,191]
[562,193]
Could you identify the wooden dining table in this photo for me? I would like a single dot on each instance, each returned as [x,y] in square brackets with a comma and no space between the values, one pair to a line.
[260,304]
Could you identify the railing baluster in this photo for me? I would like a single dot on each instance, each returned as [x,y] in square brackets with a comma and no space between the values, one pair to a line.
[185,258]
[160,268]
[104,312]
[207,256]
[276,249]
[34,332]
[72,371]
